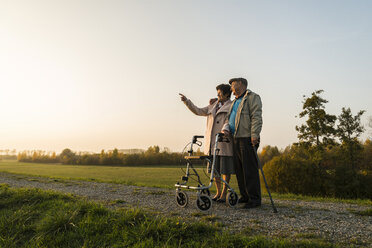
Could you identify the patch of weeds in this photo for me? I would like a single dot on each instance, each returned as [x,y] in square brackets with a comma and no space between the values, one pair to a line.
[19,177]
[298,209]
[157,192]
[367,212]
[312,229]
[292,216]
[198,214]
[33,180]
[324,209]
[211,218]
[291,197]
[68,184]
[283,234]
[282,205]
[255,221]
[136,191]
[307,235]
[173,214]
[218,224]
[117,201]
[114,189]
[151,209]
[4,185]
[356,241]
[250,230]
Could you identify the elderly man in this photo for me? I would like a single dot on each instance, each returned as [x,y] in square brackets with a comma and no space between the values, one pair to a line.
[244,123]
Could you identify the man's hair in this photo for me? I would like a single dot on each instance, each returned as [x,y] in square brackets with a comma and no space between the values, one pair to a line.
[242,80]
[225,88]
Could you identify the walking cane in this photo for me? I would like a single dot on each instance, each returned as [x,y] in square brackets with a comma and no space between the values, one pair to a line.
[263,176]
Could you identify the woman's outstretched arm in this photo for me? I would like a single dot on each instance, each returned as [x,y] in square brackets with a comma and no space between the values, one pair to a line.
[196,110]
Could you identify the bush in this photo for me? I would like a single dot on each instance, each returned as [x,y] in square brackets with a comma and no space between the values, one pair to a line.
[320,172]
[286,174]
[366,163]
[268,153]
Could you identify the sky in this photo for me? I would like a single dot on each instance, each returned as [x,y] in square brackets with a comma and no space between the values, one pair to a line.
[92,75]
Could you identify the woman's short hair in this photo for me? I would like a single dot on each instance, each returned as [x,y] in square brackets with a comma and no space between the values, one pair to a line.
[225,88]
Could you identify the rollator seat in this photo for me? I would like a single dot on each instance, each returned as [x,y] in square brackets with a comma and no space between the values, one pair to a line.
[198,157]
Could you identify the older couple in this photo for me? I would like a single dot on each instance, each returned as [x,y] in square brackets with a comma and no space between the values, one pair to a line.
[241,119]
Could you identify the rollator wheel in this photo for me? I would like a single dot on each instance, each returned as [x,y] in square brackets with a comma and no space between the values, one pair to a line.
[182,199]
[203,202]
[206,191]
[232,199]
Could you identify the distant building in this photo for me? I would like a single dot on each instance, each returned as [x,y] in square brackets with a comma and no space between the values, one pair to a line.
[131,151]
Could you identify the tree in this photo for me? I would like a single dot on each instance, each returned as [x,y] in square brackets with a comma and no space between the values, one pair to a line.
[319,126]
[268,152]
[366,164]
[67,156]
[348,130]
[153,149]
[370,125]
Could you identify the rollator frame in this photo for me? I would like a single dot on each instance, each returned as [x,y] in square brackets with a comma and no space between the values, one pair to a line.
[203,201]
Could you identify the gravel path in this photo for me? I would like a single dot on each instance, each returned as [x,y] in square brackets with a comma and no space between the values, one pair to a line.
[333,222]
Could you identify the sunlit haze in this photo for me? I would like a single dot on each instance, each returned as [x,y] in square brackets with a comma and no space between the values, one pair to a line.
[92,75]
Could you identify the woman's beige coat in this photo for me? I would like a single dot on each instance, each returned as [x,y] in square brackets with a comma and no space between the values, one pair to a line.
[215,121]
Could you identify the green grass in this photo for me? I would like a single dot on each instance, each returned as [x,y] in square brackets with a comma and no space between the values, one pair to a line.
[36,218]
[367,212]
[163,177]
[293,197]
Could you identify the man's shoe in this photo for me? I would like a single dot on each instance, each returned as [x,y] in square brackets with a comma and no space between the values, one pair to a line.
[249,205]
[243,200]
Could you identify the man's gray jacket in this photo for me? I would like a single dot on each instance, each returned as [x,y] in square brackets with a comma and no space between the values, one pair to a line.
[248,120]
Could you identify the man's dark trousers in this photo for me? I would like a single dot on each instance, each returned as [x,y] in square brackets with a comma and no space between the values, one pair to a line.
[246,168]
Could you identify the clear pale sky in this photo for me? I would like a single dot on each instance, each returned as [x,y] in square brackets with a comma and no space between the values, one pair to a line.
[92,75]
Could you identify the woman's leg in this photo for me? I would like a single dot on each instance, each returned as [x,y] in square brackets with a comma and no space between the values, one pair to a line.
[224,188]
[216,178]
[217,181]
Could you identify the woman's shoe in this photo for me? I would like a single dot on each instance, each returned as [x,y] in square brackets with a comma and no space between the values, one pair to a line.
[215,198]
[221,201]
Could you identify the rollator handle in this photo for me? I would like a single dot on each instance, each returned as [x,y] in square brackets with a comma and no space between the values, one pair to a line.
[222,138]
[196,137]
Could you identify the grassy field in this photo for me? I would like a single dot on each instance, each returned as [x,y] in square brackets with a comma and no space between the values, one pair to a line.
[36,218]
[163,176]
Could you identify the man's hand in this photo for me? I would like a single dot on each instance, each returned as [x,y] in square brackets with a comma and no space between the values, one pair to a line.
[254,140]
[212,100]
[183,98]
[226,133]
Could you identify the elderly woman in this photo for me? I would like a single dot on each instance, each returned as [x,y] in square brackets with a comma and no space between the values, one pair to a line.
[216,114]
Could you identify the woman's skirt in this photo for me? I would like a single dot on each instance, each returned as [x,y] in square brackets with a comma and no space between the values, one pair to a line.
[224,165]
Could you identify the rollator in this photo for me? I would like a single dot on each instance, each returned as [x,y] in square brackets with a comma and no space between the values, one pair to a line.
[203,200]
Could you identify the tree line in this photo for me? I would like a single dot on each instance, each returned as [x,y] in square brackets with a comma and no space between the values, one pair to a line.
[152,156]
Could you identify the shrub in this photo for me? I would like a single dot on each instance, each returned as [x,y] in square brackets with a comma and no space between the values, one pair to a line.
[286,174]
